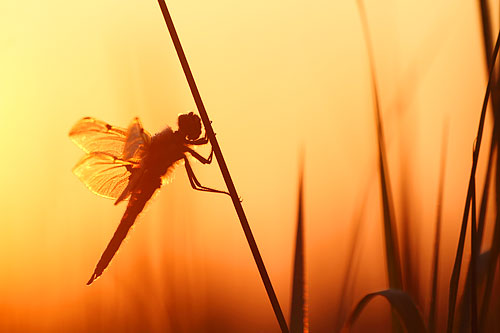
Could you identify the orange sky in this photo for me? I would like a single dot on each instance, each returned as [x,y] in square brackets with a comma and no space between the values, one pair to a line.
[274,76]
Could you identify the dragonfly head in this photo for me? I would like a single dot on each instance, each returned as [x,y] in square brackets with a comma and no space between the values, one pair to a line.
[189,125]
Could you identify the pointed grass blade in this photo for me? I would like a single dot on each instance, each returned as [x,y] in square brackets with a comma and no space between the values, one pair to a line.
[350,270]
[486,313]
[486,189]
[391,243]
[464,307]
[473,260]
[488,290]
[455,277]
[401,303]
[483,258]
[298,315]
[486,29]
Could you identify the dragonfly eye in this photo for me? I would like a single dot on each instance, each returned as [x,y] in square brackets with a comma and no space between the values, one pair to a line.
[190,125]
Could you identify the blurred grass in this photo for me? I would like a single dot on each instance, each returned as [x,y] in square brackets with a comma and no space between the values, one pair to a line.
[401,303]
[298,315]
[490,60]
[135,304]
[350,271]
[400,300]
[393,257]
[390,232]
[437,234]
[455,277]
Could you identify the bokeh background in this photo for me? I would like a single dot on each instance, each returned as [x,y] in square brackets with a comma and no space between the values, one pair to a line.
[275,77]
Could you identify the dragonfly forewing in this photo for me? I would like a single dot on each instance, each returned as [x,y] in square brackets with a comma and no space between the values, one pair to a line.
[93,135]
[103,174]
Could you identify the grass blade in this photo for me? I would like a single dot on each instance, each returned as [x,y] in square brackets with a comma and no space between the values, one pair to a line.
[390,233]
[401,303]
[464,307]
[486,28]
[473,246]
[495,247]
[393,260]
[490,271]
[455,277]
[350,270]
[298,314]
[437,237]
[487,43]
[485,196]
[487,33]
[482,259]
[224,170]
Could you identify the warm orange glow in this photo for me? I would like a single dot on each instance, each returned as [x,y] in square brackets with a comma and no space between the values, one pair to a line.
[275,77]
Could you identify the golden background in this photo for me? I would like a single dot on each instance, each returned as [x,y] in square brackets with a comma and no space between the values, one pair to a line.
[275,77]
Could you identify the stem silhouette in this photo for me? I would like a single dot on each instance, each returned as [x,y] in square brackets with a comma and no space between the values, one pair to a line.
[223,168]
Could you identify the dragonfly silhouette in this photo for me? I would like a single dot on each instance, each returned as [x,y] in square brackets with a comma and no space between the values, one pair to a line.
[130,163]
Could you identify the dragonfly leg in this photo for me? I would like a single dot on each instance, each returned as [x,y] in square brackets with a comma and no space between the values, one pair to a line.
[201,158]
[198,142]
[211,155]
[195,184]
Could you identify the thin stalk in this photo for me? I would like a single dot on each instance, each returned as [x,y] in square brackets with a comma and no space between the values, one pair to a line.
[223,168]
[486,27]
[480,273]
[466,298]
[490,272]
[485,196]
[486,21]
[473,262]
[455,277]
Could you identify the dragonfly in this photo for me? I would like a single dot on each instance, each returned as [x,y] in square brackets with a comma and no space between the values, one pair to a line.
[131,164]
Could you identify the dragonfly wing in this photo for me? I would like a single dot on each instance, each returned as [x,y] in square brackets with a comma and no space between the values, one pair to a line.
[93,135]
[104,174]
[136,143]
[134,181]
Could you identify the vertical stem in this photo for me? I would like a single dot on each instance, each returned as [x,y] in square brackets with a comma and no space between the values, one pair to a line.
[223,167]
[486,29]
[473,262]
[455,276]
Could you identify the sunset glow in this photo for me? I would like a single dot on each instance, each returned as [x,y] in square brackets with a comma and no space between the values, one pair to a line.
[276,78]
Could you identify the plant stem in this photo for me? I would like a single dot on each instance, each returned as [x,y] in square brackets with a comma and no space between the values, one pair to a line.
[455,277]
[223,167]
[473,262]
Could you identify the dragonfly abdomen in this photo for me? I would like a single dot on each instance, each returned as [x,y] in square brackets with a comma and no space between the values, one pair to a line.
[135,206]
